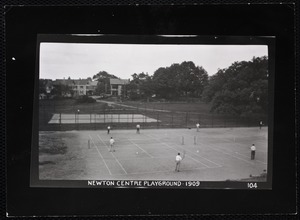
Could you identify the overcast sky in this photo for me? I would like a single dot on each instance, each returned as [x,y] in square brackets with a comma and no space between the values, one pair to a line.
[78,60]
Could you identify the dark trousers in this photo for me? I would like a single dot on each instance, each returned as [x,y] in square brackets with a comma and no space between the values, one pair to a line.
[177,166]
[252,154]
[108,131]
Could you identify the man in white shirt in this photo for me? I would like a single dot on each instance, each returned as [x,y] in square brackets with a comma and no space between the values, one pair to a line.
[178,159]
[260,124]
[253,148]
[198,126]
[111,142]
[138,128]
[108,129]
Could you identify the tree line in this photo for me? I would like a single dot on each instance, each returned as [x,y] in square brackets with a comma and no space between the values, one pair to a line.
[240,89]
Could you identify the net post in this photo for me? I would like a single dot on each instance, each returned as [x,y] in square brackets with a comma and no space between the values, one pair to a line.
[194,140]
[89,144]
[182,140]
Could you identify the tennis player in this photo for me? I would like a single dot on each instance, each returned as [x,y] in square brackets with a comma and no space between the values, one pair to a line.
[198,126]
[108,129]
[138,128]
[260,124]
[178,159]
[111,142]
[253,148]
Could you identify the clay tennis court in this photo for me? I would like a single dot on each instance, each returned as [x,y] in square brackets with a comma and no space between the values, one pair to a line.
[212,154]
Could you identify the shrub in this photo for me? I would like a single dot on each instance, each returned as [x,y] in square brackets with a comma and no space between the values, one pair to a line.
[85,99]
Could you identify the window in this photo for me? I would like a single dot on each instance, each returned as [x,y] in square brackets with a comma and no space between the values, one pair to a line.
[114,86]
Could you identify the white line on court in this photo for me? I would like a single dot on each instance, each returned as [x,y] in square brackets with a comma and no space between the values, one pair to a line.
[144,158]
[142,149]
[112,154]
[218,165]
[249,157]
[249,147]
[102,142]
[233,152]
[100,154]
[213,148]
[187,155]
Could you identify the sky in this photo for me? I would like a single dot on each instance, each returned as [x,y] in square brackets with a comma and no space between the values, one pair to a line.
[79,60]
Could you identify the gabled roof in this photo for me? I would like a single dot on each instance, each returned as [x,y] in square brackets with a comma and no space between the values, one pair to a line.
[119,81]
[70,82]
[94,83]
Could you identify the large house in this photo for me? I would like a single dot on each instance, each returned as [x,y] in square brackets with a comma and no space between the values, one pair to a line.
[77,87]
[117,86]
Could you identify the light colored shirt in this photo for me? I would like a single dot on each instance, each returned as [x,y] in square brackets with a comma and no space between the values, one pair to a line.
[108,127]
[178,158]
[198,125]
[138,126]
[253,148]
[111,141]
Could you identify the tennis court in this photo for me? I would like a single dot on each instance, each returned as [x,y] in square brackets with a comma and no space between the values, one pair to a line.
[212,154]
[100,118]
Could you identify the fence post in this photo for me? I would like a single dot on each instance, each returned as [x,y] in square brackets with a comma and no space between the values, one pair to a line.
[172,119]
[45,116]
[157,120]
[212,120]
[186,119]
[104,116]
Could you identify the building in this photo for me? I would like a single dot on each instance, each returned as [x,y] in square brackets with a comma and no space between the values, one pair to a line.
[77,87]
[84,87]
[117,86]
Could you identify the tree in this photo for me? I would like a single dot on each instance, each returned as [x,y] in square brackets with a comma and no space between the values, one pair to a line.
[62,90]
[42,86]
[192,79]
[185,79]
[165,83]
[103,78]
[241,89]
[140,86]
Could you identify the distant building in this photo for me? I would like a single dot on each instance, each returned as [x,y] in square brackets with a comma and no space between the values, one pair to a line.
[117,86]
[77,87]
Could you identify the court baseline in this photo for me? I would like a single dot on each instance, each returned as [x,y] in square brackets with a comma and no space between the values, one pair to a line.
[112,154]
[99,153]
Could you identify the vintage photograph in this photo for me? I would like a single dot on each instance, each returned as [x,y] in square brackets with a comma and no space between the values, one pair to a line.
[153,112]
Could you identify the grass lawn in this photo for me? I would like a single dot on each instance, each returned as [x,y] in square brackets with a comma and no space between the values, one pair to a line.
[199,107]
[70,106]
